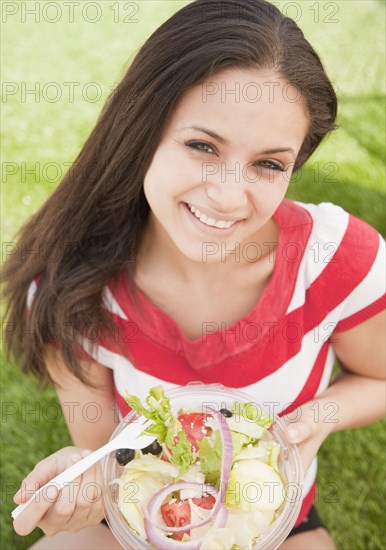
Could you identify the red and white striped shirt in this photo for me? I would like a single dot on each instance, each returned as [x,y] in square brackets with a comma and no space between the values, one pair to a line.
[328,276]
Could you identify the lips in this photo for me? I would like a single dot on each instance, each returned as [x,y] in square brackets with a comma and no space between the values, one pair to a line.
[218,223]
[209,224]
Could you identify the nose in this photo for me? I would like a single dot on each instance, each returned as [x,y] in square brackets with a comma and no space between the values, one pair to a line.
[227,188]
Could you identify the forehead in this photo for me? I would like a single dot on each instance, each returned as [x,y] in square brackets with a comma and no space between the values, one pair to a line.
[244,100]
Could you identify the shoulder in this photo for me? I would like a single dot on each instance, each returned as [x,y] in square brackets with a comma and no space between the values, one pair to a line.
[338,233]
[343,259]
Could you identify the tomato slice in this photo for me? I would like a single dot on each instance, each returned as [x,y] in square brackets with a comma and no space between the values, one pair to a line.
[194,427]
[176,514]
[206,502]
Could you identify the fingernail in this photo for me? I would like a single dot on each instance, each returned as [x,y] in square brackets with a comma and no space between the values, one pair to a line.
[17,494]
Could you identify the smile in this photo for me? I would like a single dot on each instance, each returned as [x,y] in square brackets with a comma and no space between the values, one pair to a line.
[220,224]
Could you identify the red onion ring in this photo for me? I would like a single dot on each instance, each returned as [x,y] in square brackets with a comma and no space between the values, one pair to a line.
[162,542]
[155,502]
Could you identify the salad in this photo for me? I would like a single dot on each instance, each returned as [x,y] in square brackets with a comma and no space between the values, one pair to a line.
[209,480]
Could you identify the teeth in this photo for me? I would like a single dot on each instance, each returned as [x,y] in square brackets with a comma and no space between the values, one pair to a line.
[221,224]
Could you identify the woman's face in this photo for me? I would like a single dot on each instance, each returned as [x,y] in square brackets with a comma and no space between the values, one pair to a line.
[224,161]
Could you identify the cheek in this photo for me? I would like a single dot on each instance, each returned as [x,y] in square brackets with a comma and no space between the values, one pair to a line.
[172,180]
[162,186]
[269,194]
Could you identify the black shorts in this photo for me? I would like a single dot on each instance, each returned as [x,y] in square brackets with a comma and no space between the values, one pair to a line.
[312,521]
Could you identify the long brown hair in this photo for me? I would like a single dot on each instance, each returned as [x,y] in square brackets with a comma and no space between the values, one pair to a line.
[90,228]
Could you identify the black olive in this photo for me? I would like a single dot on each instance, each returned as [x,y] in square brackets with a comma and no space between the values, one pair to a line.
[154,448]
[226,413]
[124,456]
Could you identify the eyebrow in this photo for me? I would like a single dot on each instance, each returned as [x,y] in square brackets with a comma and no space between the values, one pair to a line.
[224,141]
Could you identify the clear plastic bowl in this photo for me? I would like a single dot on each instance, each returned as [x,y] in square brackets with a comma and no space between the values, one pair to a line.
[194,395]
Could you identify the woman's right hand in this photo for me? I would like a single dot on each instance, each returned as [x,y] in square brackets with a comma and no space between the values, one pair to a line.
[77,505]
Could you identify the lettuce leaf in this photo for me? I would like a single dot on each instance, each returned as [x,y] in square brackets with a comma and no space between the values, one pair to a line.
[210,458]
[254,485]
[181,451]
[239,440]
[166,426]
[250,412]
[141,478]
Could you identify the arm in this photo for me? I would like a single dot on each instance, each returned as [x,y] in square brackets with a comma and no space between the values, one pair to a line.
[357,395]
[91,418]
[360,390]
[90,413]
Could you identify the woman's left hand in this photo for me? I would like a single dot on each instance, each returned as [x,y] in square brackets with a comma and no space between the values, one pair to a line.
[308,429]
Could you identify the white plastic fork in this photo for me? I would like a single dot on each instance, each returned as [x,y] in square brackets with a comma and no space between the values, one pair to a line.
[126,439]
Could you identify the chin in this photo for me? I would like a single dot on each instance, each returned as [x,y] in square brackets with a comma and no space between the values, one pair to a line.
[204,252]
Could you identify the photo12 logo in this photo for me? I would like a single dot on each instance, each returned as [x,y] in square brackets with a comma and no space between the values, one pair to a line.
[69,12]
[319,11]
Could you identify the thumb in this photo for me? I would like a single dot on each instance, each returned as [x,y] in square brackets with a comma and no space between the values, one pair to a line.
[298,432]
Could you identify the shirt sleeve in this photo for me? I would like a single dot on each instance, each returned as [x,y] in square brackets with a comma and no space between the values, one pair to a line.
[368,297]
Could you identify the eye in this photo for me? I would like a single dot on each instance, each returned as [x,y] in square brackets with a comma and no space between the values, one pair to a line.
[201,146]
[271,165]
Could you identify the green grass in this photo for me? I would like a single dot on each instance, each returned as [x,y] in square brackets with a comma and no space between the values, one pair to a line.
[348,170]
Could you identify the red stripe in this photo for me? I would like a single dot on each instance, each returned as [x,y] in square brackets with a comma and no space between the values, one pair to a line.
[122,404]
[306,505]
[349,266]
[362,315]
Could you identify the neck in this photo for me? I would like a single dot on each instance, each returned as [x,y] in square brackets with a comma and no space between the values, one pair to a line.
[157,249]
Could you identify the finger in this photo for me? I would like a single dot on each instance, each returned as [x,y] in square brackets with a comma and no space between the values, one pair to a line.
[17,497]
[66,514]
[91,492]
[96,511]
[307,453]
[29,518]
[298,432]
[59,514]
[44,471]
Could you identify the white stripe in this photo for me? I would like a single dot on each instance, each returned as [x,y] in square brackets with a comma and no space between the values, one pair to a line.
[275,392]
[138,383]
[111,304]
[31,294]
[324,240]
[126,376]
[370,289]
[310,476]
[105,357]
[281,388]
[326,376]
